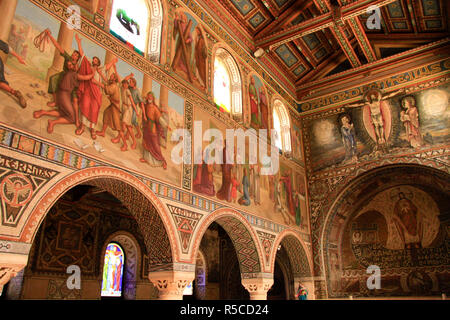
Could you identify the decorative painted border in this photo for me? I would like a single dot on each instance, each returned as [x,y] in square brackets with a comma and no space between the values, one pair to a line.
[409,77]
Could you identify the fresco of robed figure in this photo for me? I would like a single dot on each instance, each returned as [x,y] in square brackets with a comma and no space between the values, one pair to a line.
[82,96]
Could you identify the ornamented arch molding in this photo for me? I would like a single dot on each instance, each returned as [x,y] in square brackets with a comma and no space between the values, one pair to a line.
[242,234]
[299,256]
[236,78]
[339,209]
[143,204]
[335,185]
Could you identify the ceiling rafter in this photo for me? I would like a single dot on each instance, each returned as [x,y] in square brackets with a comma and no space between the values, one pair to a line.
[337,29]
[285,17]
[318,23]
[361,37]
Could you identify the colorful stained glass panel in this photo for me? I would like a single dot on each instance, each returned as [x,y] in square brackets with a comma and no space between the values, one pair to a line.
[113,271]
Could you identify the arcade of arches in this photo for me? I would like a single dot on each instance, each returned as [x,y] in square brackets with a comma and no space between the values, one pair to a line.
[114,143]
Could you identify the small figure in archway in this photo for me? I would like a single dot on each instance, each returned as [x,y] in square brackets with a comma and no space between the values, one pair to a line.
[302,292]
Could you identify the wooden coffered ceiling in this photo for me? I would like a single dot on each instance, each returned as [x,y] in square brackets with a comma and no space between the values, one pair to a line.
[309,39]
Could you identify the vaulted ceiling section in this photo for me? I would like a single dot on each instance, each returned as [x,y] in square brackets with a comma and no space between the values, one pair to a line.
[309,39]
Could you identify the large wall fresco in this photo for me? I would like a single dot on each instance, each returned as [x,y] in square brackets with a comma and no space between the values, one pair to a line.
[379,124]
[279,197]
[258,102]
[92,97]
[403,231]
[107,118]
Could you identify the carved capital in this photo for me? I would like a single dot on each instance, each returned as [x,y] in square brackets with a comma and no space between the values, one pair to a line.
[171,283]
[258,287]
[11,262]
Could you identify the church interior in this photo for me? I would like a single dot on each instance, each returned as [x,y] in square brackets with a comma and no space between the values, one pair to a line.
[118,120]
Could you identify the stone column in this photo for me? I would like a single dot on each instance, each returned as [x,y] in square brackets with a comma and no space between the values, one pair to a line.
[258,287]
[171,283]
[164,106]
[8,9]
[10,265]
[109,56]
[94,5]
[308,283]
[65,39]
[146,85]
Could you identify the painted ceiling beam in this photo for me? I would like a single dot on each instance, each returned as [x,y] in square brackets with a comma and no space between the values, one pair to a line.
[285,17]
[361,37]
[319,23]
[337,29]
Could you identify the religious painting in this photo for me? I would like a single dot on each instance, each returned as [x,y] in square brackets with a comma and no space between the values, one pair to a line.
[300,205]
[296,140]
[258,102]
[69,236]
[189,50]
[242,184]
[381,125]
[64,87]
[336,140]
[285,198]
[400,228]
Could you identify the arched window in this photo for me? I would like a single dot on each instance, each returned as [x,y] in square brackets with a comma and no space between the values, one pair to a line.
[138,24]
[113,271]
[227,83]
[282,126]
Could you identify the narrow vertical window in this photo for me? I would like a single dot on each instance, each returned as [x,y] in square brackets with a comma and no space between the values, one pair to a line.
[227,84]
[222,86]
[113,271]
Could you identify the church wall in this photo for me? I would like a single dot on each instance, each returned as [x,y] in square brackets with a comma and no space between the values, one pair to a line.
[32,80]
[27,138]
[89,225]
[345,140]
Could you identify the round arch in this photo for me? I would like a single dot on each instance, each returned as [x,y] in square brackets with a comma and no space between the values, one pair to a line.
[300,260]
[280,110]
[133,256]
[234,73]
[242,235]
[154,27]
[149,212]
[364,187]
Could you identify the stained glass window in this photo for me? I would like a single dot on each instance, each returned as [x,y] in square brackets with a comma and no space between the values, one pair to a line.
[129,23]
[222,88]
[113,271]
[189,289]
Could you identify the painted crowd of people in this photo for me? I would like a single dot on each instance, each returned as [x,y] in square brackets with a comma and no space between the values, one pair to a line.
[78,92]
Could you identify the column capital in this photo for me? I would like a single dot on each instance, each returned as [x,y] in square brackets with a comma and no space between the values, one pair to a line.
[258,286]
[10,265]
[171,283]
